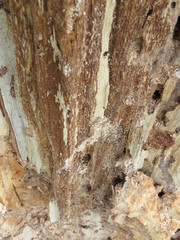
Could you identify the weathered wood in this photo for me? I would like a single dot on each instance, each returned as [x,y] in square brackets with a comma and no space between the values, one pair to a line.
[99,86]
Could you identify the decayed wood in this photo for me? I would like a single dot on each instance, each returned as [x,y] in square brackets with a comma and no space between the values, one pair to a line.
[99,84]
[12,138]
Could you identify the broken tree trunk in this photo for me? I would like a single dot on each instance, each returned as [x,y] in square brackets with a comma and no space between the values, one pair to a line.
[90,119]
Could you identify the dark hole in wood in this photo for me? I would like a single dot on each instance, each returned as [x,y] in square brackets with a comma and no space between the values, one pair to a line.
[150,12]
[171,60]
[173,5]
[57,60]
[105,53]
[86,158]
[109,238]
[88,187]
[177,130]
[160,194]
[120,179]
[58,45]
[156,95]
[156,184]
[177,99]
[83,226]
[176,34]
[124,151]
[7,11]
